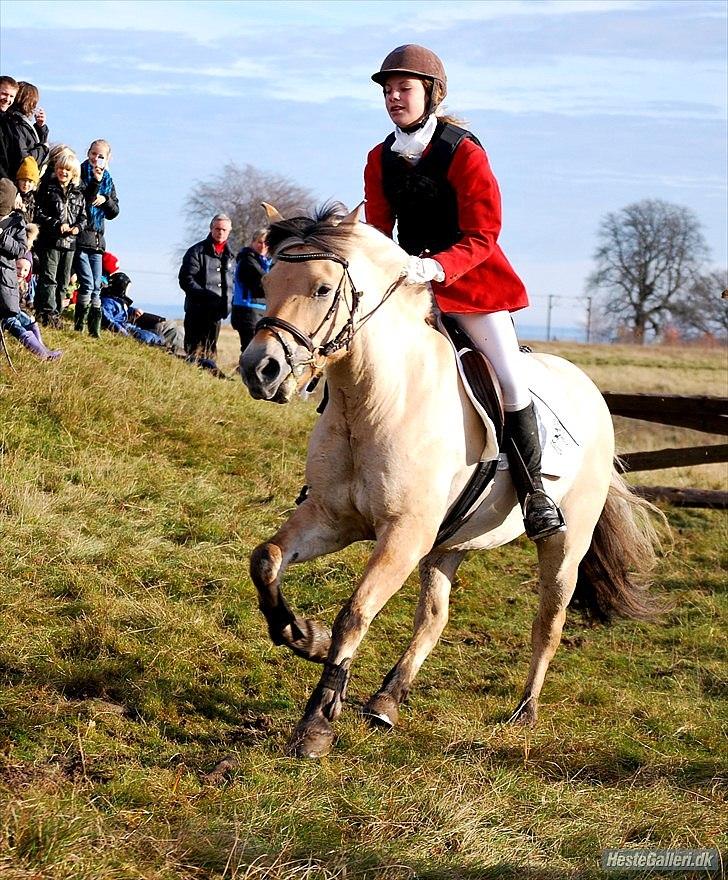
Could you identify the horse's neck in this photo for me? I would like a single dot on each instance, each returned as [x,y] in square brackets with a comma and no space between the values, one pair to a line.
[382,370]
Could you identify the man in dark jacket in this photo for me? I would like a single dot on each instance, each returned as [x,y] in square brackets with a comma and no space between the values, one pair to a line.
[206,276]
[8,91]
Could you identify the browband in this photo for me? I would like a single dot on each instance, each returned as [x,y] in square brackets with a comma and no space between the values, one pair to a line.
[316,255]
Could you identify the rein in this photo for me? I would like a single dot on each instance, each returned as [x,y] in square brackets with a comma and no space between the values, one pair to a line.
[344,337]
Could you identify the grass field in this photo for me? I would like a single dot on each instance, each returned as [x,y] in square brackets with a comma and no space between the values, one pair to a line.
[143,711]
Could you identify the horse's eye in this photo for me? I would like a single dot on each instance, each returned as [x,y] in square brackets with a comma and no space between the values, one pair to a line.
[323,290]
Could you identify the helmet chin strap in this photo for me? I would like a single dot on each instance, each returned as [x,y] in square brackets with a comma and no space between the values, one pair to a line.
[416,126]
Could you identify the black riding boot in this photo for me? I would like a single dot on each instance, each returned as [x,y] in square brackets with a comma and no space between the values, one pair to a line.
[79,317]
[541,516]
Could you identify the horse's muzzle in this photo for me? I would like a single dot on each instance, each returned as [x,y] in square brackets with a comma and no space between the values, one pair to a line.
[266,375]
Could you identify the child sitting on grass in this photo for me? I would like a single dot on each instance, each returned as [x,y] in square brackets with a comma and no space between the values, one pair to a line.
[13,250]
[22,326]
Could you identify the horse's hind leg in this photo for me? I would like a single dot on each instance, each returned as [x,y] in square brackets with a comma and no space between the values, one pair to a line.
[306,535]
[558,558]
[437,571]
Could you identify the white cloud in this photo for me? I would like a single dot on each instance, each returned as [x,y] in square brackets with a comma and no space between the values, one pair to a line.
[242,68]
[435,16]
[145,89]
[585,85]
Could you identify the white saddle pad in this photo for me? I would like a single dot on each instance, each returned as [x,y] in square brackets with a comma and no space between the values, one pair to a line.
[559,443]
[560,447]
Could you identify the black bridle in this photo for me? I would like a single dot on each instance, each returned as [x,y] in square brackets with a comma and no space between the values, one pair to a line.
[344,337]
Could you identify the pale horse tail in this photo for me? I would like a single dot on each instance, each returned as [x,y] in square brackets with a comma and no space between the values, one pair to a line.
[612,580]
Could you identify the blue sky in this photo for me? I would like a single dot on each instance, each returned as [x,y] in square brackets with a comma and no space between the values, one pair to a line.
[584,107]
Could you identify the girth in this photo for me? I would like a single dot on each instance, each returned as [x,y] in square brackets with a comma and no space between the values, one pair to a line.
[481,384]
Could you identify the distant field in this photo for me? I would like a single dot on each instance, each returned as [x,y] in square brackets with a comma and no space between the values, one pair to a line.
[134,662]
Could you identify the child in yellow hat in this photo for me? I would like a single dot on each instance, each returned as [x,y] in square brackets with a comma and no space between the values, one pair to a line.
[27,182]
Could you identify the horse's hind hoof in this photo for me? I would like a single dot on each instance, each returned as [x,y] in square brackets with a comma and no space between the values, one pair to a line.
[311,739]
[525,713]
[381,711]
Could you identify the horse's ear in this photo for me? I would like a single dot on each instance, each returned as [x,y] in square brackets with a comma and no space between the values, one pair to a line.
[355,216]
[273,214]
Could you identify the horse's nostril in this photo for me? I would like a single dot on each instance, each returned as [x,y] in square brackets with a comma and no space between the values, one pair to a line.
[269,369]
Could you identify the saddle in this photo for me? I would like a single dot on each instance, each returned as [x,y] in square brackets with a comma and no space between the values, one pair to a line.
[482,387]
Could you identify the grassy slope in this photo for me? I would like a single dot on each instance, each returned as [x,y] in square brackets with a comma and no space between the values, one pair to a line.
[133,661]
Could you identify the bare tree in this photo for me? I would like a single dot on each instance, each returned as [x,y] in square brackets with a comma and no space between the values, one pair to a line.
[648,255]
[238,193]
[703,311]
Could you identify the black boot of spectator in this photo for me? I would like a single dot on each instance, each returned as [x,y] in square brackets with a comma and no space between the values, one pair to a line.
[79,317]
[49,318]
[94,322]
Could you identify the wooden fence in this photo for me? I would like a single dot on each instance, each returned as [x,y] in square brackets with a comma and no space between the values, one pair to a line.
[707,414]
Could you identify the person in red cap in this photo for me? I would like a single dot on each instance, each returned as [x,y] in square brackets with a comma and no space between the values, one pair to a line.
[433,179]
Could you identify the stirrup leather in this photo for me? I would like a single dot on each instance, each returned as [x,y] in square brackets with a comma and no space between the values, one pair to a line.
[542,521]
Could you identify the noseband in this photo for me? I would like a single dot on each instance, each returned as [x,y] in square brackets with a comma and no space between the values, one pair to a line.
[343,338]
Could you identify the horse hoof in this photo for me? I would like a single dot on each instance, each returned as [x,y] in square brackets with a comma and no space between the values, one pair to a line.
[311,739]
[381,711]
[525,714]
[308,639]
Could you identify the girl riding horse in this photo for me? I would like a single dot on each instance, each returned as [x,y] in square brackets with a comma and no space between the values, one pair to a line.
[433,178]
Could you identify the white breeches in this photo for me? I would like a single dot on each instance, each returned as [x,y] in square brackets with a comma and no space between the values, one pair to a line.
[495,336]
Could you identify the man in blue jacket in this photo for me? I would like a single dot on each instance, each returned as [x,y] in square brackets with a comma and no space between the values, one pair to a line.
[206,276]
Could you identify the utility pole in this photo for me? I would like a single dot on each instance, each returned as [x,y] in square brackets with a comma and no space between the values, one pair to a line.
[588,319]
[548,317]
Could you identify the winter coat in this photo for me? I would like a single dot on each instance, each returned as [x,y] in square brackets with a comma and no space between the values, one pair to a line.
[478,277]
[13,245]
[24,139]
[115,317]
[92,237]
[5,170]
[56,206]
[207,279]
[249,271]
[28,209]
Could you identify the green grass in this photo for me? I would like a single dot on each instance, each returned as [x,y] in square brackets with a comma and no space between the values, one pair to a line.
[134,662]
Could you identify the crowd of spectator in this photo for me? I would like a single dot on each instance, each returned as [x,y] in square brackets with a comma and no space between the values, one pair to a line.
[53,258]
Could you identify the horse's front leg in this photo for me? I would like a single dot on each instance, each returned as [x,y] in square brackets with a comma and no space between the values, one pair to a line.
[395,555]
[309,532]
[437,571]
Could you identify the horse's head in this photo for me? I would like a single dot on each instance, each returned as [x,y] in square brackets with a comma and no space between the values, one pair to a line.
[312,303]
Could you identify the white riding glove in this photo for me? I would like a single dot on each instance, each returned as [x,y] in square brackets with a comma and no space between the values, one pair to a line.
[419,271]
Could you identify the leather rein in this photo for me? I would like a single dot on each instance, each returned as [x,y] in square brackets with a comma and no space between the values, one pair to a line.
[344,337]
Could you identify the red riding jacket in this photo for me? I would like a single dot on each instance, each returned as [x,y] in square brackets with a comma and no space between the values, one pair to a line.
[478,277]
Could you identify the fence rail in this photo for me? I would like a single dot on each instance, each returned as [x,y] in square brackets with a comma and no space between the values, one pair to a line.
[700,413]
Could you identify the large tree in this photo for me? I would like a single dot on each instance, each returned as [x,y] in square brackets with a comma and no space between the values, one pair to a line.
[703,312]
[239,192]
[649,254]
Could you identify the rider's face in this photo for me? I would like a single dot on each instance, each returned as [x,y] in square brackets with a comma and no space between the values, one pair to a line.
[405,99]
